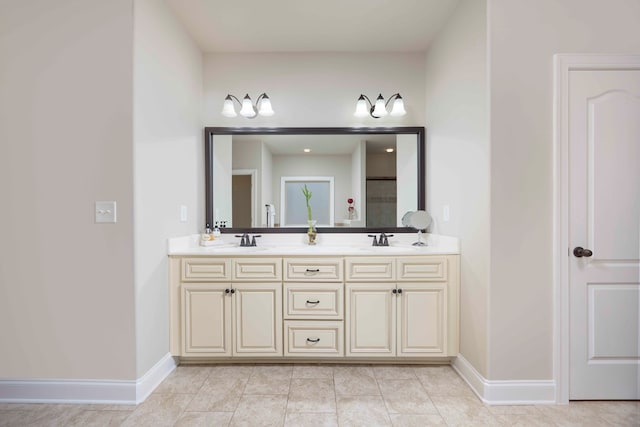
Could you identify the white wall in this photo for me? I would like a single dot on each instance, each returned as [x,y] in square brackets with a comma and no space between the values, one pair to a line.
[265,184]
[66,283]
[524,36]
[359,183]
[458,161]
[319,89]
[168,165]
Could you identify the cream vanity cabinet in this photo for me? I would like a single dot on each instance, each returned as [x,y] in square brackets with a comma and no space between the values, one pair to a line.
[402,306]
[327,307]
[227,307]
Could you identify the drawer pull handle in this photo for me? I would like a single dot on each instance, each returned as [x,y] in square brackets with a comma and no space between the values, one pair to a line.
[313,302]
[313,341]
[313,270]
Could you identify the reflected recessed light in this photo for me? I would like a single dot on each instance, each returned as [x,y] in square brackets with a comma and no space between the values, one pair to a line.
[389,150]
[307,150]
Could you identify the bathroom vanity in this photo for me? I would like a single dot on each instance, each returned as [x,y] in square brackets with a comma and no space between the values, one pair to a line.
[341,300]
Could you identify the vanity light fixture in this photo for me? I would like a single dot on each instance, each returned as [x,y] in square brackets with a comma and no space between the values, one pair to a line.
[379,109]
[307,150]
[389,150]
[248,109]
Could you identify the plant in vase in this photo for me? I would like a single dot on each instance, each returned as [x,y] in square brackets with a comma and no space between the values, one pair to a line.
[351,209]
[311,232]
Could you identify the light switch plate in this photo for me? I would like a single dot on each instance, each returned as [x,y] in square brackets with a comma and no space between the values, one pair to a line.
[445,213]
[106,212]
[183,213]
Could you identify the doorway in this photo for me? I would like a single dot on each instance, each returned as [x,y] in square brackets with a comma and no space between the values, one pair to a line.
[243,196]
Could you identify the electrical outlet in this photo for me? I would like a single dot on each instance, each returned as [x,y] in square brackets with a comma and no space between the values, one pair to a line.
[106,212]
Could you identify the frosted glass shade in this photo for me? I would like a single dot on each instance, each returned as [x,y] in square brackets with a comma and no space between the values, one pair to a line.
[379,109]
[362,109]
[247,109]
[398,107]
[265,107]
[227,108]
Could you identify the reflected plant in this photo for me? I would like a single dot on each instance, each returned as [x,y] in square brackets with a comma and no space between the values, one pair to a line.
[307,195]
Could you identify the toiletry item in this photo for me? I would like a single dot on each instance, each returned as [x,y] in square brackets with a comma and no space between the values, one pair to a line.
[216,233]
[271,215]
[207,234]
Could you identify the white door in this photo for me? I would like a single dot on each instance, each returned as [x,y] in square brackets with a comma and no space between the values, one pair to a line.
[604,233]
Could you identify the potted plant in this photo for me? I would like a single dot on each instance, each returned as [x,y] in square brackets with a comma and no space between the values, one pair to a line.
[311,232]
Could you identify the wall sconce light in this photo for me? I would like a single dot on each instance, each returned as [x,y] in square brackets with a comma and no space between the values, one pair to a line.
[379,109]
[248,109]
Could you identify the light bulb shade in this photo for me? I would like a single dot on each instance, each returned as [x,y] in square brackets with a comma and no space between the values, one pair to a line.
[265,106]
[247,109]
[398,107]
[227,108]
[379,109]
[362,109]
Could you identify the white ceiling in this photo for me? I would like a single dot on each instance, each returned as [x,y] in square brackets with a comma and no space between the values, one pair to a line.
[313,26]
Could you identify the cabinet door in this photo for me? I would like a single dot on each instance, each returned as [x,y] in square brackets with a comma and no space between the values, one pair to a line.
[422,314]
[257,325]
[206,319]
[371,319]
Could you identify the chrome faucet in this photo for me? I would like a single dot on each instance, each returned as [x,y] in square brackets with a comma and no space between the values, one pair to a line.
[383,240]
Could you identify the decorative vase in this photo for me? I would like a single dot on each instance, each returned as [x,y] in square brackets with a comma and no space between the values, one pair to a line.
[312,232]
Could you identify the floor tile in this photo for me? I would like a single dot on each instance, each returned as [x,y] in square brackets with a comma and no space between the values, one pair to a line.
[267,385]
[463,411]
[159,410]
[204,419]
[185,379]
[218,395]
[403,420]
[258,411]
[406,397]
[231,371]
[41,415]
[365,411]
[98,418]
[298,419]
[355,381]
[391,372]
[524,420]
[442,380]
[312,371]
[580,414]
[273,371]
[311,395]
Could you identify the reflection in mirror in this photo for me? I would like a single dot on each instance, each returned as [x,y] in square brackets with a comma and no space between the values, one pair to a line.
[361,179]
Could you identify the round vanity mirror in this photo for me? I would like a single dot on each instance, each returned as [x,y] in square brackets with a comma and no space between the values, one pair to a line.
[419,220]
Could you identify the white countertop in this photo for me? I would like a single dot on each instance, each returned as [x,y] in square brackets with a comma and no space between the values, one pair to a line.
[327,244]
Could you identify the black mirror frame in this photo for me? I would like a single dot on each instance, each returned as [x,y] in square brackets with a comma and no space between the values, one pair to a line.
[209,133]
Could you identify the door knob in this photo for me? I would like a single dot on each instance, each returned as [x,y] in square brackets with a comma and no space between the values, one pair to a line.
[580,252]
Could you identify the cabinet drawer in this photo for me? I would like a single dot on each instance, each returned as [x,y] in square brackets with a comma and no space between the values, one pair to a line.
[422,268]
[313,300]
[313,339]
[249,269]
[370,269]
[199,269]
[313,269]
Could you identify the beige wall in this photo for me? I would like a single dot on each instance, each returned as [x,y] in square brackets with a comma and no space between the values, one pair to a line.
[66,283]
[168,153]
[524,36]
[319,89]
[458,161]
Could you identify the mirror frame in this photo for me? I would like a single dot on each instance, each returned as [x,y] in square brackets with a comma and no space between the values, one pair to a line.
[210,132]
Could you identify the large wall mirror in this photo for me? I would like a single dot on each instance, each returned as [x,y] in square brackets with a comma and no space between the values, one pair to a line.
[362,179]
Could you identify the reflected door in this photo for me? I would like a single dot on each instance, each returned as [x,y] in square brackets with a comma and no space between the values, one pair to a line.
[241,200]
[604,234]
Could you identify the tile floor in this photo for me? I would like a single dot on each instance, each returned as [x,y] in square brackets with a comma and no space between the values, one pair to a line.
[318,395]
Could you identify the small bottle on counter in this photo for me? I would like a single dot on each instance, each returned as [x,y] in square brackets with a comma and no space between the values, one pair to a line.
[207,234]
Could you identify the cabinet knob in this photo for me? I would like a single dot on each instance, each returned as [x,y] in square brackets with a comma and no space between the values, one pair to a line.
[313,270]
[313,302]
[313,340]
[400,290]
[226,291]
[395,291]
[233,291]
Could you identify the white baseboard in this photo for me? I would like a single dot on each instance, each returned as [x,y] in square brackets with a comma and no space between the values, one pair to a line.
[122,392]
[505,392]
